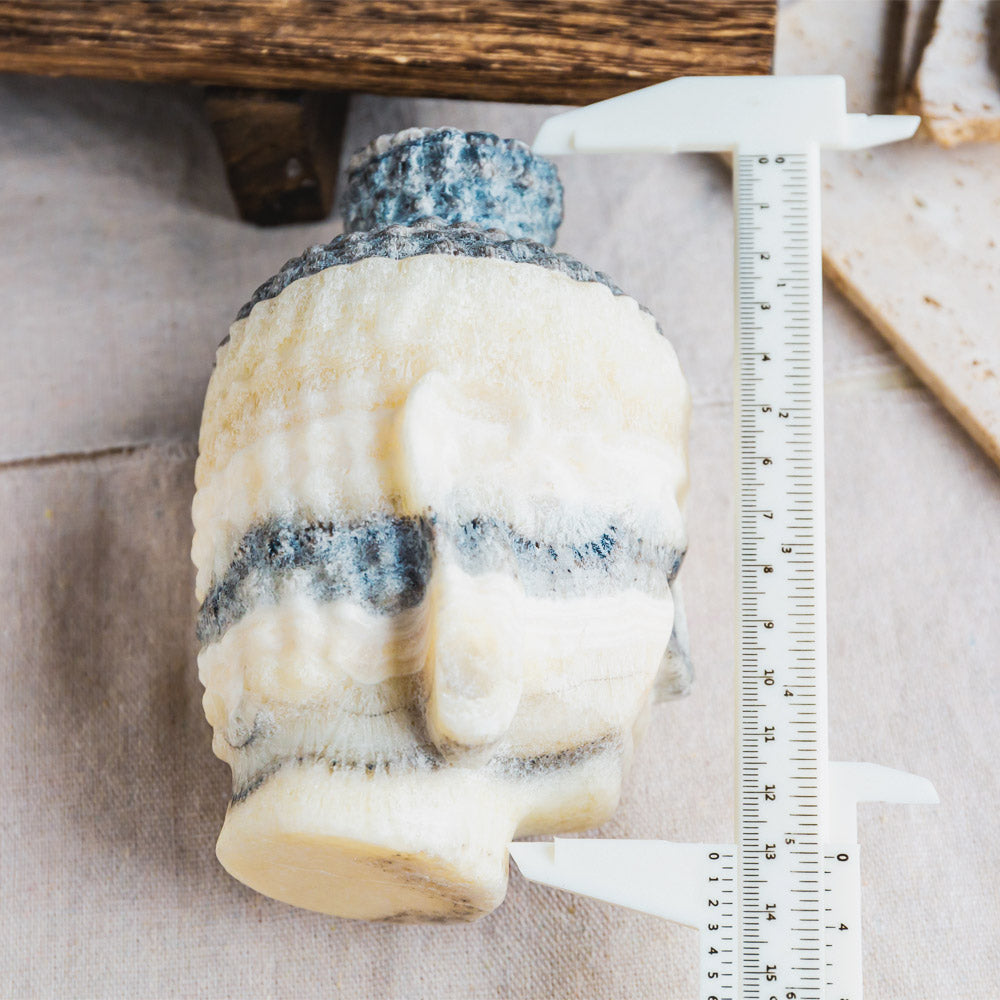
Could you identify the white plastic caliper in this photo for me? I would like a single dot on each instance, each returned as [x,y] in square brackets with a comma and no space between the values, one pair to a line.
[779,910]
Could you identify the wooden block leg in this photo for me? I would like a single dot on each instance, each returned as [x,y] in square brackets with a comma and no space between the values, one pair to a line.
[281,149]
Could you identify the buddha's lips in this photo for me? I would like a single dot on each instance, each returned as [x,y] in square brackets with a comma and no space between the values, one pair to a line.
[423,756]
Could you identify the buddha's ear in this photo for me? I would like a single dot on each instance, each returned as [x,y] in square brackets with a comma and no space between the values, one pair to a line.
[674,678]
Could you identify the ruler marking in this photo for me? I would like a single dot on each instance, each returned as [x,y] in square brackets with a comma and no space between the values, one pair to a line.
[778,778]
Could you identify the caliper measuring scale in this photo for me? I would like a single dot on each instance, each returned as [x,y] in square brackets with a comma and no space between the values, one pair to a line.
[779,909]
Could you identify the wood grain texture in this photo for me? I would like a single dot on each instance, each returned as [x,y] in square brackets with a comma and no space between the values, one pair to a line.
[281,149]
[546,51]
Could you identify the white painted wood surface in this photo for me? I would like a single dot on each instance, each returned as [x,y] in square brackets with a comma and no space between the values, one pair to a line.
[911,233]
[956,87]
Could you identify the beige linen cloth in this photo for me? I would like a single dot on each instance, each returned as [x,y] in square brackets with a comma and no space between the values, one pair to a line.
[121,264]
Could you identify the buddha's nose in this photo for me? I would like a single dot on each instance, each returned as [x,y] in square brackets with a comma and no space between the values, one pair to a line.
[474,666]
[473,669]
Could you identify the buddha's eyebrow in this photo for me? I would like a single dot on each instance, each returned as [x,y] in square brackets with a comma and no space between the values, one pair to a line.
[384,563]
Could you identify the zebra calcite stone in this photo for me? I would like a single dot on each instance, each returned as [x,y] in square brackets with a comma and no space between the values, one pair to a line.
[438,527]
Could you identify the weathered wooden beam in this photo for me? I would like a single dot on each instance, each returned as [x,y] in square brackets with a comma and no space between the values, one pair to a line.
[546,51]
[281,149]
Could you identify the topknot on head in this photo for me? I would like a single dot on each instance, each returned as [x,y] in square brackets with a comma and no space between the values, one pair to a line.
[460,177]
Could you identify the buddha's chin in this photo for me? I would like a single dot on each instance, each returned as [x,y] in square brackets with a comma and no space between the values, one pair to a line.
[418,845]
